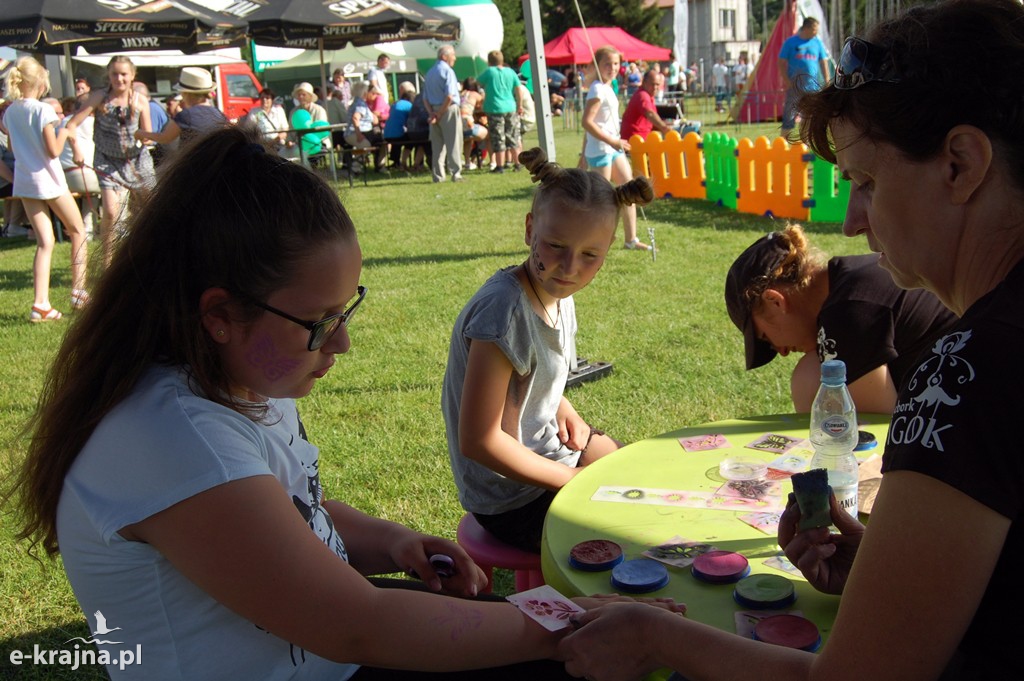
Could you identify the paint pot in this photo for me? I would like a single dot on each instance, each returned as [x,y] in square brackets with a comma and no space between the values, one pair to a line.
[742,468]
[595,555]
[764,592]
[639,575]
[865,440]
[720,567]
[790,631]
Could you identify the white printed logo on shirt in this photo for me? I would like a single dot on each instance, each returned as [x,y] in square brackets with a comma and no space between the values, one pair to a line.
[936,384]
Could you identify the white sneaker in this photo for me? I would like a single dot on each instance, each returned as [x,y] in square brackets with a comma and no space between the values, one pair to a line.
[470,166]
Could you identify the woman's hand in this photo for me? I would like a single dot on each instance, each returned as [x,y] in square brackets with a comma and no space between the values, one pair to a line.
[823,558]
[141,135]
[615,642]
[624,146]
[413,551]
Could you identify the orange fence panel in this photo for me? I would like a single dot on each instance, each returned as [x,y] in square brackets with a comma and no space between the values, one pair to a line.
[772,178]
[674,165]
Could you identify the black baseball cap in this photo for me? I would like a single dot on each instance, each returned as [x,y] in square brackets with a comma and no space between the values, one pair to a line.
[757,262]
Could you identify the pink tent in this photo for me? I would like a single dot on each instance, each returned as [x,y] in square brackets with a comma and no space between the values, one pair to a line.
[763,98]
[572,48]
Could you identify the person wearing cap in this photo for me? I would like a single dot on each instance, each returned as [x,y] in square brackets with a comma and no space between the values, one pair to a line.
[197,115]
[786,296]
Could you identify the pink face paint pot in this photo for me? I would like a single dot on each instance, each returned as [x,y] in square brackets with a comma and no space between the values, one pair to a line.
[764,592]
[639,575]
[595,555]
[790,631]
[720,567]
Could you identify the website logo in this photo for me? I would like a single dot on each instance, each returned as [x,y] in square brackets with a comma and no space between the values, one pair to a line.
[78,655]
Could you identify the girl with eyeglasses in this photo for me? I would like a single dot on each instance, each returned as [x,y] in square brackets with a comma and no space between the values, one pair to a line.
[37,139]
[514,439]
[925,118]
[168,466]
[121,162]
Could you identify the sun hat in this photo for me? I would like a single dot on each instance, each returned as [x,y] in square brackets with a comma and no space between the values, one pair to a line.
[304,87]
[193,79]
[760,258]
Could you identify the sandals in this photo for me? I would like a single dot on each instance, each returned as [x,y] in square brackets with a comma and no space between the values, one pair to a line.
[79,298]
[38,314]
[636,245]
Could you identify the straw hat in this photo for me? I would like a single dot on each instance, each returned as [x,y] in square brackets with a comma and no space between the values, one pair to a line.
[193,79]
[304,87]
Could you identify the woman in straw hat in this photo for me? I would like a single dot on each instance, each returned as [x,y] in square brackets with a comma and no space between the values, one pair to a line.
[197,115]
[120,160]
[308,114]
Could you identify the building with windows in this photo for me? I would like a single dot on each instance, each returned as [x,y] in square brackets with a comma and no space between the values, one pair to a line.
[715,28]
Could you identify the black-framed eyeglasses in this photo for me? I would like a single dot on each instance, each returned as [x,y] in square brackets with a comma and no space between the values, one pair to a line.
[320,331]
[861,62]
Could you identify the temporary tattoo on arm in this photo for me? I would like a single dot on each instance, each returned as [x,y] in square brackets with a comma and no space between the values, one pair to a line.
[459,619]
[263,355]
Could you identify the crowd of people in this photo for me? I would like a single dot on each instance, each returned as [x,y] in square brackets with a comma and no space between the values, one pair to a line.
[208,534]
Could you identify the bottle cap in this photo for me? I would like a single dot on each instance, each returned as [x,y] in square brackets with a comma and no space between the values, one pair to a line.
[833,372]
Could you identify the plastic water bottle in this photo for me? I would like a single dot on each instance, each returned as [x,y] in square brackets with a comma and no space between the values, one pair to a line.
[834,434]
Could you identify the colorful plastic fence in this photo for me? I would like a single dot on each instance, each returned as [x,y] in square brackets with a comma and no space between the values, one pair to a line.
[759,177]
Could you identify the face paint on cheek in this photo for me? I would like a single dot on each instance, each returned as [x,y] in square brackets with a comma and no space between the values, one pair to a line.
[538,266]
[263,355]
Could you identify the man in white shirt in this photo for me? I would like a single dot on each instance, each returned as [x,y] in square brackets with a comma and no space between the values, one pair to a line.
[377,77]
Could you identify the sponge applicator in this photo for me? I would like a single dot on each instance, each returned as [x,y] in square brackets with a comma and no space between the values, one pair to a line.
[812,496]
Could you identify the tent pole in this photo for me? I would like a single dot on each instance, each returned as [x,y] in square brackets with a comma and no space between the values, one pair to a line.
[538,65]
[323,71]
[68,72]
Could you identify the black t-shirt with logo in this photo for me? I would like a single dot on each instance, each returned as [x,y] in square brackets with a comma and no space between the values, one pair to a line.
[868,321]
[957,419]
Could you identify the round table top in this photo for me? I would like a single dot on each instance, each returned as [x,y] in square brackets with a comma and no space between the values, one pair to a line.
[662,463]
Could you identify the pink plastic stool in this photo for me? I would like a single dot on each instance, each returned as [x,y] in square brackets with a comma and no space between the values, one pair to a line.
[489,553]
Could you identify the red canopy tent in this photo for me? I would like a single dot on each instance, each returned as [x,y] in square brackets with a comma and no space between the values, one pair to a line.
[763,98]
[572,47]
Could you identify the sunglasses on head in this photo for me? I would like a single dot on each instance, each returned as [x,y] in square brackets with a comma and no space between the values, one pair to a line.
[861,62]
[321,330]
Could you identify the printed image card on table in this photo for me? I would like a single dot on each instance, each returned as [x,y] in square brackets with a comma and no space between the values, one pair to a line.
[545,605]
[703,443]
[678,552]
[749,495]
[781,563]
[773,442]
[767,522]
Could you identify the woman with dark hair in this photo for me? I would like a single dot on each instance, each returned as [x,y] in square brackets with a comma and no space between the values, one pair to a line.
[169,467]
[270,119]
[924,117]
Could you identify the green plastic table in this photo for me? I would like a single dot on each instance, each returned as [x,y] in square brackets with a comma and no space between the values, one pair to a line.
[661,462]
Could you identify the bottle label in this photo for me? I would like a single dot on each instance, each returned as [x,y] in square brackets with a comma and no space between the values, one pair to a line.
[847,498]
[836,426]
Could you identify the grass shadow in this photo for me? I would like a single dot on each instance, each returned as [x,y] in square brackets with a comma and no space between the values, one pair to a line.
[432,258]
[56,638]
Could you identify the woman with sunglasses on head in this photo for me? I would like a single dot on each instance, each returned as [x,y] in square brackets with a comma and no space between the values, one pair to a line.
[168,465]
[925,118]
[121,161]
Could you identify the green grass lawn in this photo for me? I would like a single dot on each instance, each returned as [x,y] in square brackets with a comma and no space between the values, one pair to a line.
[376,417]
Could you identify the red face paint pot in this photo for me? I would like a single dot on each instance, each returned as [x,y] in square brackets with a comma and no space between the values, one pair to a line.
[764,592]
[720,567]
[790,631]
[639,575]
[595,555]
